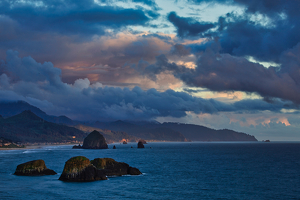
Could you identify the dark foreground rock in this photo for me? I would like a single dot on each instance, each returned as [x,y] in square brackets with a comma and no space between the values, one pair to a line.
[81,169]
[140,144]
[33,168]
[110,167]
[94,141]
[133,171]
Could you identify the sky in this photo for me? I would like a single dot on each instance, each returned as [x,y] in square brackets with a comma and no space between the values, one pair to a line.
[231,64]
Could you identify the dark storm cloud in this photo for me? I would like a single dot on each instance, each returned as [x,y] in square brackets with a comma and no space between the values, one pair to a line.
[265,38]
[147,2]
[188,90]
[242,37]
[161,65]
[41,85]
[180,50]
[72,17]
[271,7]
[188,26]
[75,55]
[224,72]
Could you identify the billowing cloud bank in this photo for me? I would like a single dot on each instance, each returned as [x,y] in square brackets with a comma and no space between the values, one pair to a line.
[41,85]
[224,72]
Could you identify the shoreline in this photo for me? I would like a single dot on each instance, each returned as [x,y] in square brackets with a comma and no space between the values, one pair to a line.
[39,146]
[35,146]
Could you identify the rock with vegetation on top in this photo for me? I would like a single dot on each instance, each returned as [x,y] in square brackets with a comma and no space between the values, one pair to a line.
[94,141]
[140,144]
[33,168]
[80,169]
[110,167]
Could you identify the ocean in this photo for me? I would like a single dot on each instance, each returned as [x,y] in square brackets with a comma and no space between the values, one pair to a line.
[187,170]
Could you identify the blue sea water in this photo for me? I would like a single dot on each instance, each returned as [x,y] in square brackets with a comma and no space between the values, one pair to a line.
[170,171]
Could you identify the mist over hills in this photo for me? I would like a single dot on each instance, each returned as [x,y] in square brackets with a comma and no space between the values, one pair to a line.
[24,122]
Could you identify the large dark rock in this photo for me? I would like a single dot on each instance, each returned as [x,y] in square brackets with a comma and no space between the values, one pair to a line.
[34,168]
[80,169]
[143,141]
[140,144]
[133,171]
[94,141]
[110,167]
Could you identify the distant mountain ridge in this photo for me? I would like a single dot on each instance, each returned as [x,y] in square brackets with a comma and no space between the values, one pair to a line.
[142,131]
[202,133]
[27,127]
[174,131]
[8,109]
[131,131]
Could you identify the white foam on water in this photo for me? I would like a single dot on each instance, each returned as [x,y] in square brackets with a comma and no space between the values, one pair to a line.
[30,151]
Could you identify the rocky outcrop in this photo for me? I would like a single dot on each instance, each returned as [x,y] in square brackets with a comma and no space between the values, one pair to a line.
[143,141]
[110,167]
[33,168]
[133,171]
[81,169]
[77,146]
[140,145]
[94,141]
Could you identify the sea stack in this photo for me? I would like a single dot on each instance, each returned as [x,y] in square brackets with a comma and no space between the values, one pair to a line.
[143,141]
[110,167]
[33,168]
[80,169]
[94,141]
[140,144]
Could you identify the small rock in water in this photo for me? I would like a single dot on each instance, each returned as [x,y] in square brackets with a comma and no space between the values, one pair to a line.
[140,145]
[133,171]
[77,146]
[33,168]
[114,147]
